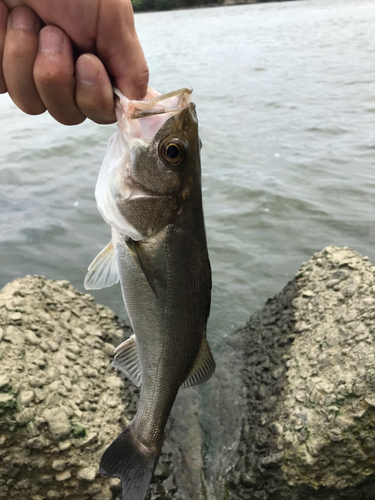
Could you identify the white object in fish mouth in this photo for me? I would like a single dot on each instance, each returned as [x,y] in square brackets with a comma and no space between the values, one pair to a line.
[137,123]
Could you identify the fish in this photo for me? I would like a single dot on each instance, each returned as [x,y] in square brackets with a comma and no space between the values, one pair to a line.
[149,191]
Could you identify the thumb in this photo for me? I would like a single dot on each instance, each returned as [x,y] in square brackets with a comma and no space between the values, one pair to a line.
[118,47]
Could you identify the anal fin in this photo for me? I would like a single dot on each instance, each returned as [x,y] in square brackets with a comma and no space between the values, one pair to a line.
[103,270]
[127,360]
[203,368]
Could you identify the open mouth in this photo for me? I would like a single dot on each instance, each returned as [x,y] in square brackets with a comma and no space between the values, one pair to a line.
[143,119]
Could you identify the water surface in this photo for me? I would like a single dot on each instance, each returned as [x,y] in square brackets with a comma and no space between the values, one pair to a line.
[285,94]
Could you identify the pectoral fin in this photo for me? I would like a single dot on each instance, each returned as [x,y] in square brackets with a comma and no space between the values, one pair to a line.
[103,270]
[127,361]
[203,368]
[132,246]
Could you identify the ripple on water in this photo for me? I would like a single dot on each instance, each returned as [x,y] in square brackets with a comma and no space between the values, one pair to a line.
[285,98]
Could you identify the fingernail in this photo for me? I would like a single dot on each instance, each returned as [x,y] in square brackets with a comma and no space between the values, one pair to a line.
[51,41]
[22,18]
[87,71]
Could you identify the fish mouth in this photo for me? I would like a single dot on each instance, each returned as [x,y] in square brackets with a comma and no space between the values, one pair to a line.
[157,104]
[143,119]
[165,103]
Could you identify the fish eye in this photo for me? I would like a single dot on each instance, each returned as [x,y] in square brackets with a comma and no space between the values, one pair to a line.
[173,151]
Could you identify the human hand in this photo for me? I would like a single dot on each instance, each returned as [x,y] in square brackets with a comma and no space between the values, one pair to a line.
[39,43]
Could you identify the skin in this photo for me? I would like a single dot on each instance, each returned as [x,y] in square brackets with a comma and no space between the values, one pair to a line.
[39,44]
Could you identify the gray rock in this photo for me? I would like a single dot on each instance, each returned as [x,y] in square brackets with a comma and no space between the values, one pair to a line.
[58,423]
[87,474]
[315,442]
[63,476]
[169,485]
[41,378]
[59,465]
[108,349]
[25,416]
[25,397]
[289,413]
[4,381]
[31,338]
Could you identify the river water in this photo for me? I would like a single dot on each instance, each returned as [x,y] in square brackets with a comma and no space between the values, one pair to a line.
[285,94]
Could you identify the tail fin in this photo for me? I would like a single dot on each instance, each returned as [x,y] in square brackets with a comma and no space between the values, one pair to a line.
[129,460]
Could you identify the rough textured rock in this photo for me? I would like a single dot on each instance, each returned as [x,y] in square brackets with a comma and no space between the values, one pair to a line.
[309,371]
[288,415]
[61,402]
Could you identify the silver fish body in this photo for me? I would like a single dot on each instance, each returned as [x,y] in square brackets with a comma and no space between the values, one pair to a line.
[163,266]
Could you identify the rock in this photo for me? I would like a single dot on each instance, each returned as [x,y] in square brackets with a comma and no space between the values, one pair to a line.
[25,416]
[108,349]
[59,465]
[87,474]
[25,397]
[46,441]
[63,476]
[31,338]
[169,485]
[58,423]
[289,413]
[4,381]
[317,441]
[7,402]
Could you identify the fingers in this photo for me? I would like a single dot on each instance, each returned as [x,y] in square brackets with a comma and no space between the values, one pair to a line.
[40,74]
[3,28]
[71,92]
[54,76]
[20,49]
[94,95]
[38,67]
[119,48]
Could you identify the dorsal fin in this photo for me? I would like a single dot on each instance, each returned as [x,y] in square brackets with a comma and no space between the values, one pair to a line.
[103,270]
[203,368]
[132,246]
[127,361]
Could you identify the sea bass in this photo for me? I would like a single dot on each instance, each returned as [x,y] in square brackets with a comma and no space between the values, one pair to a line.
[149,192]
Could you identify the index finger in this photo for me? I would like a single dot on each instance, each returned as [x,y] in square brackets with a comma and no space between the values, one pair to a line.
[119,48]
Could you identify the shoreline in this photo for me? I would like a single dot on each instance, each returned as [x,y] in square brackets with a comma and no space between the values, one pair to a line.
[222,3]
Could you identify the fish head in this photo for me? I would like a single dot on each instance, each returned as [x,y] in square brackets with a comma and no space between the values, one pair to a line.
[153,166]
[168,164]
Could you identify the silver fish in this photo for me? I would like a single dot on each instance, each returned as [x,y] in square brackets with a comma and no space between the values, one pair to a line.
[149,191]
